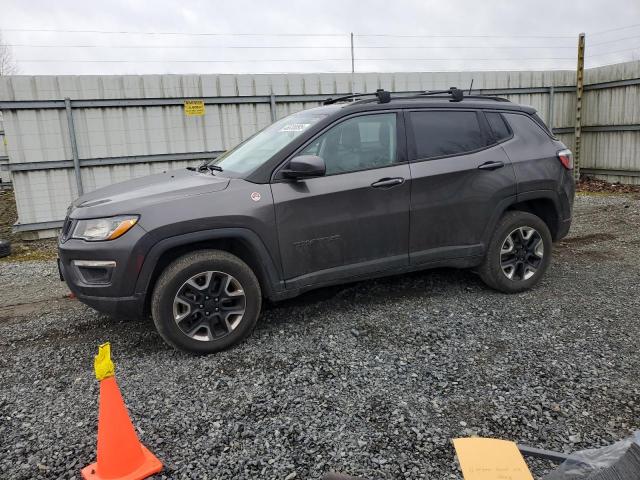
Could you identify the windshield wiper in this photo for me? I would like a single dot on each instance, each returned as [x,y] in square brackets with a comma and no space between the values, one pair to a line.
[205,166]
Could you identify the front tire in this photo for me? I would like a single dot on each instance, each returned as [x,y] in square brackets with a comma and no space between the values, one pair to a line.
[206,301]
[518,254]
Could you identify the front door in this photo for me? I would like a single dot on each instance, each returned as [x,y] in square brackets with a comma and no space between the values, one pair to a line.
[354,220]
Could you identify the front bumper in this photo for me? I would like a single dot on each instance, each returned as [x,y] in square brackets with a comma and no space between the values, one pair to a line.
[114,293]
[128,307]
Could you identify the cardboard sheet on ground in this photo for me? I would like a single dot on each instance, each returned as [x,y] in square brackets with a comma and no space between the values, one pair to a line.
[490,459]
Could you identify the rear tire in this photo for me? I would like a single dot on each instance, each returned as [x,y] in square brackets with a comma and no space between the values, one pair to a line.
[206,301]
[518,254]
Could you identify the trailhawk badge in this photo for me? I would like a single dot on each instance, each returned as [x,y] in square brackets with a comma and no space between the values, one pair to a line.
[255,196]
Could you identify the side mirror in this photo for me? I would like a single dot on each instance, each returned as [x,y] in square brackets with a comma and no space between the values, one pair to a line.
[305,166]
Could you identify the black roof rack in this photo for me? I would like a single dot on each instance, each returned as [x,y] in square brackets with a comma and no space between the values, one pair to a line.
[382,95]
[456,94]
[488,97]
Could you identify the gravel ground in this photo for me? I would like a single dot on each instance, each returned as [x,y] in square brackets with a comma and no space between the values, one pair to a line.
[371,379]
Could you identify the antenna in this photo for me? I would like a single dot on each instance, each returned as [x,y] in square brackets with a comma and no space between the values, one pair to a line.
[471,86]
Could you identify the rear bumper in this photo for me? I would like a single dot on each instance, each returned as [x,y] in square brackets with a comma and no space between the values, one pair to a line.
[563,228]
[563,204]
[566,197]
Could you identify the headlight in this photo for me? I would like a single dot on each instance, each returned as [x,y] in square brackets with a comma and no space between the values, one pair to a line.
[96,229]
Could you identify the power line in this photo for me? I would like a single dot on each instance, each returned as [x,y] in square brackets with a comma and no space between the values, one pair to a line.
[467,46]
[132,32]
[207,34]
[26,45]
[616,51]
[616,29]
[462,58]
[598,65]
[236,34]
[170,46]
[613,41]
[189,61]
[461,36]
[297,60]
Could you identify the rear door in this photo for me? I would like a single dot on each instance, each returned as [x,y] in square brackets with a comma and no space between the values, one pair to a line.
[460,177]
[355,219]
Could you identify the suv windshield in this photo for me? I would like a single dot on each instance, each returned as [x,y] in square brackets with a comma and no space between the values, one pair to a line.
[259,148]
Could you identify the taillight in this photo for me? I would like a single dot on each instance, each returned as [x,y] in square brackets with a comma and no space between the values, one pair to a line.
[566,158]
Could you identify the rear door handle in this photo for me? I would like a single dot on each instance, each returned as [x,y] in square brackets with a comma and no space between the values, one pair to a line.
[388,182]
[491,165]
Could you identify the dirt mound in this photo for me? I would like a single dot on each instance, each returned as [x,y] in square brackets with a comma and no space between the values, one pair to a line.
[588,184]
[8,215]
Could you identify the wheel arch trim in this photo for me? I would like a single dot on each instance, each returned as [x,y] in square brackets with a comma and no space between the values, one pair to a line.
[510,201]
[268,272]
[560,209]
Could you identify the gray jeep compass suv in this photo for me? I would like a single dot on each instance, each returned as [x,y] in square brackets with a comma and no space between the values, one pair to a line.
[347,191]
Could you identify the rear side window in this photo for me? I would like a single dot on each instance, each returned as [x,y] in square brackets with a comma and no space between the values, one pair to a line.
[438,133]
[540,122]
[527,129]
[498,126]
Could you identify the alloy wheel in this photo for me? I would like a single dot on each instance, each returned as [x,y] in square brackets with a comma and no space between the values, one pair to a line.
[521,253]
[209,305]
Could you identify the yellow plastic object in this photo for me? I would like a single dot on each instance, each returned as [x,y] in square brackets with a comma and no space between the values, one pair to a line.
[490,459]
[102,363]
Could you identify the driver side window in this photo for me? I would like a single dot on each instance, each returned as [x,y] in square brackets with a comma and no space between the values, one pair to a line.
[360,143]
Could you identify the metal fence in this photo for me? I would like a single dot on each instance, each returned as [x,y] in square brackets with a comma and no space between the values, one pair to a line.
[4,159]
[611,115]
[70,134]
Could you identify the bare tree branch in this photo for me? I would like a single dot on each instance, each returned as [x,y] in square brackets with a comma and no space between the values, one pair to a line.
[8,64]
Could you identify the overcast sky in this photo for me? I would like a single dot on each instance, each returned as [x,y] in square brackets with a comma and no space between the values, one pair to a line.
[193,36]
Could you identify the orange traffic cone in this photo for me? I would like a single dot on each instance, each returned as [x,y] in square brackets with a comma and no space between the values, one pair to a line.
[121,456]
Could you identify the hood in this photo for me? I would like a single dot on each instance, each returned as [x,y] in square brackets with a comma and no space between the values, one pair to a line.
[131,195]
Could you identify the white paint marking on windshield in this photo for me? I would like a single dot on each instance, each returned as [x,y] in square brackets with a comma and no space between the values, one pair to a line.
[294,127]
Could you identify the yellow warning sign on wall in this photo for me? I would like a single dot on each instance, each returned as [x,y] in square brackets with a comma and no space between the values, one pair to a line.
[194,108]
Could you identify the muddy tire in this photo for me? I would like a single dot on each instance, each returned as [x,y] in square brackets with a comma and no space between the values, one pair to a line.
[206,301]
[519,253]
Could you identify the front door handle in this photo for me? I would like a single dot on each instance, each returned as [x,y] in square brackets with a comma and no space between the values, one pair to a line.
[388,182]
[491,165]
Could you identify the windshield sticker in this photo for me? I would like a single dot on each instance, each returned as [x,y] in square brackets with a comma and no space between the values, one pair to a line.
[294,127]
